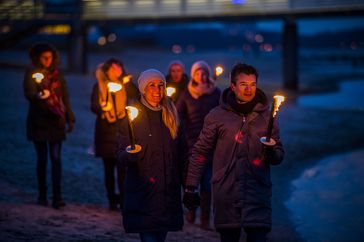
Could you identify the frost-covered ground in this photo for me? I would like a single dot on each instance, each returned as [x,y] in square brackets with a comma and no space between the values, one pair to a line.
[309,134]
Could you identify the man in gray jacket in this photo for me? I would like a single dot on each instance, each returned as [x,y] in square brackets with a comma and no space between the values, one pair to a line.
[241,183]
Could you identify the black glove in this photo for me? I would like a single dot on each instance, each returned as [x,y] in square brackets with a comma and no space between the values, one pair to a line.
[268,152]
[191,199]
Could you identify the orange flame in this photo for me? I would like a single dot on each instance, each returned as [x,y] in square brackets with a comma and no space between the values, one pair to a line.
[219,70]
[114,87]
[170,91]
[132,112]
[38,77]
[278,101]
[127,79]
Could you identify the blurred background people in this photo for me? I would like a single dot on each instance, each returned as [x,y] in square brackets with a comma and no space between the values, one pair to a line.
[153,175]
[49,112]
[177,78]
[109,106]
[193,105]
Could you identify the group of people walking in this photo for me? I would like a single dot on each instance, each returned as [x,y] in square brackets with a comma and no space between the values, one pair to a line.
[200,140]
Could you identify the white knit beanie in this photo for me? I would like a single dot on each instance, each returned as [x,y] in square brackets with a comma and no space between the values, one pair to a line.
[146,76]
[200,65]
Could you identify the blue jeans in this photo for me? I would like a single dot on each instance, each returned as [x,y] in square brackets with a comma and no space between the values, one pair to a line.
[153,236]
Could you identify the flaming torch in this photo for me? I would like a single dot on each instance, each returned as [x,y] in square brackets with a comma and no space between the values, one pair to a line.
[112,87]
[132,113]
[38,77]
[127,79]
[218,71]
[170,91]
[277,101]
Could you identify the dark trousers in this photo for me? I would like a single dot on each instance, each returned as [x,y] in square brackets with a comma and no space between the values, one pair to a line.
[153,236]
[252,234]
[41,147]
[109,175]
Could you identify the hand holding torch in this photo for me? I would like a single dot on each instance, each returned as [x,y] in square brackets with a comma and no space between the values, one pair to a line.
[132,113]
[267,140]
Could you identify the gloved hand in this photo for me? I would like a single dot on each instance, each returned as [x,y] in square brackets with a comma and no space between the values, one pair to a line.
[268,152]
[191,199]
[71,125]
[44,94]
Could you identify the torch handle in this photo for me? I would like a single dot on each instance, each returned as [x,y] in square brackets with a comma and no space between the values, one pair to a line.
[107,96]
[271,120]
[114,104]
[131,131]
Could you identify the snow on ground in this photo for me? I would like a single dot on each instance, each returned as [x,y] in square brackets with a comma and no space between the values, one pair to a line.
[330,194]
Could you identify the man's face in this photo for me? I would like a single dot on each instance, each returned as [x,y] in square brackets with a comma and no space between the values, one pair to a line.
[245,87]
[46,59]
[176,72]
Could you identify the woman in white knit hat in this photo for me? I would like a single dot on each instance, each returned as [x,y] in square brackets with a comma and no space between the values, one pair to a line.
[193,105]
[152,204]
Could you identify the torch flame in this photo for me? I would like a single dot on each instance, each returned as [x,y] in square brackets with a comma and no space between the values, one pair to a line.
[278,101]
[219,70]
[38,77]
[114,87]
[132,112]
[127,79]
[170,91]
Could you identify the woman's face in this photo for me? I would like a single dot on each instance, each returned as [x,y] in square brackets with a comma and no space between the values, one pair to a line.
[154,92]
[46,59]
[176,72]
[200,76]
[114,72]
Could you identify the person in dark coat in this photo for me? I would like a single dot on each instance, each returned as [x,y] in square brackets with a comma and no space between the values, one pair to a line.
[241,181]
[193,105]
[177,78]
[152,205]
[110,109]
[49,111]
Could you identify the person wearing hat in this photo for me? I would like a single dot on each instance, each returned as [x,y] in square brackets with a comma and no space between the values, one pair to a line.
[194,104]
[152,204]
[241,183]
[108,116]
[177,78]
[49,113]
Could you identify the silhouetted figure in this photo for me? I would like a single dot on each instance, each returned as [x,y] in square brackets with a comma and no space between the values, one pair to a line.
[193,105]
[49,112]
[109,107]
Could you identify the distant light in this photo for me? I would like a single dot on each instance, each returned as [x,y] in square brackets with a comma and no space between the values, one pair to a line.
[191,49]
[238,1]
[111,37]
[267,47]
[56,29]
[259,38]
[177,49]
[5,29]
[101,40]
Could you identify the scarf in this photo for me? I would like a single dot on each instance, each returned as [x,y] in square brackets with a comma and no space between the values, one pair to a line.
[242,108]
[54,101]
[117,101]
[198,89]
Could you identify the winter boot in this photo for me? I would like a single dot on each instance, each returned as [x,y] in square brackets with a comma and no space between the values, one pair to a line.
[205,210]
